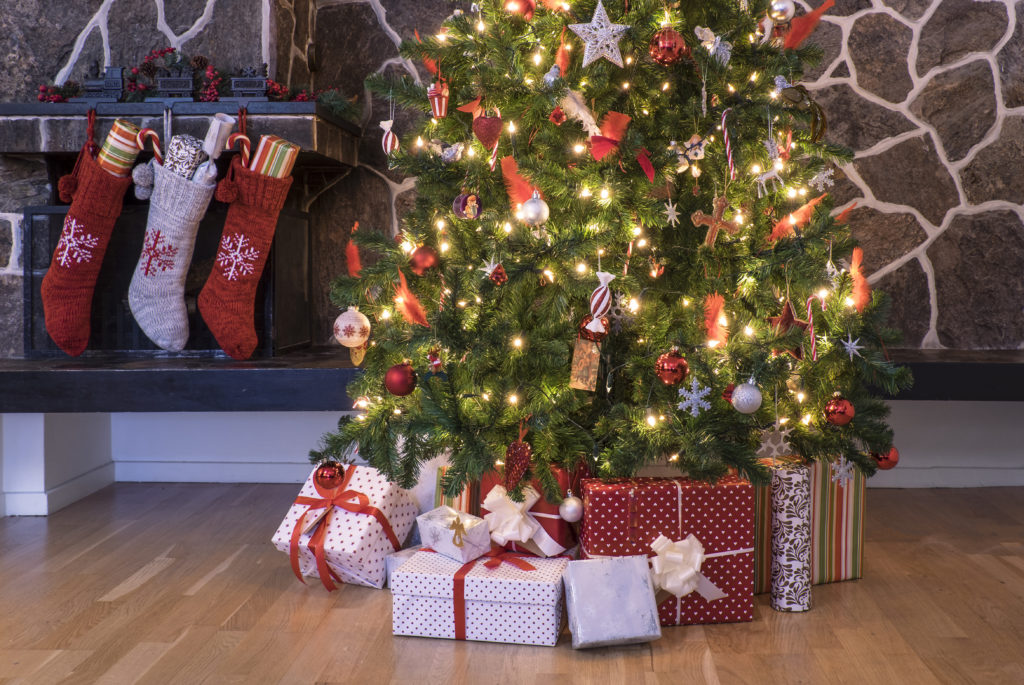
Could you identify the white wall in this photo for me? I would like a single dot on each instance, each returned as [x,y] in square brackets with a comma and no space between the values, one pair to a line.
[244,447]
[956,444]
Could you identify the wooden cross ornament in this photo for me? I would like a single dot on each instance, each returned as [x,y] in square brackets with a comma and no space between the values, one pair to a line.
[715,222]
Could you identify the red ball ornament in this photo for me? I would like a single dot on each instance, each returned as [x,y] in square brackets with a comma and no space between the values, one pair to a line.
[329,475]
[400,379]
[592,335]
[668,47]
[838,410]
[671,368]
[423,257]
[888,460]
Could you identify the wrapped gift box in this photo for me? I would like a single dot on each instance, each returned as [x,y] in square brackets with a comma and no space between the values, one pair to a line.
[455,534]
[837,528]
[626,516]
[791,537]
[516,599]
[396,559]
[610,601]
[346,533]
[552,535]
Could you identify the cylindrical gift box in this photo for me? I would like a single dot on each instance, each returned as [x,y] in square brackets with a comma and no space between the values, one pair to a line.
[184,154]
[217,135]
[791,537]
[119,149]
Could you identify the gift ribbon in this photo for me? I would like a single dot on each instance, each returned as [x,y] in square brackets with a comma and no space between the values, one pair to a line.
[675,568]
[495,558]
[340,498]
[512,523]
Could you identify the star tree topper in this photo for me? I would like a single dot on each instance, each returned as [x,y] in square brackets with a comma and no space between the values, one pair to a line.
[600,37]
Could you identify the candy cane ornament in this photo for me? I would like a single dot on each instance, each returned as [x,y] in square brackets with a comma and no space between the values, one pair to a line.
[810,323]
[600,302]
[728,146]
[149,134]
[246,146]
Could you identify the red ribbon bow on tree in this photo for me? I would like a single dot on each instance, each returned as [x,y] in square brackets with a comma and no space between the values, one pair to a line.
[613,130]
[337,498]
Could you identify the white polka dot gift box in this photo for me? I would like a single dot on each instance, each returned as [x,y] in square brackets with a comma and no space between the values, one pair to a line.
[508,598]
[700,539]
[345,533]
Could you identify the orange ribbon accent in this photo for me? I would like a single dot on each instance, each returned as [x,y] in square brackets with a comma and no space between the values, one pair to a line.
[340,498]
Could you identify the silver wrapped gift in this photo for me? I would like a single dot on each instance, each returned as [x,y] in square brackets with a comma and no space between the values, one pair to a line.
[610,601]
[455,534]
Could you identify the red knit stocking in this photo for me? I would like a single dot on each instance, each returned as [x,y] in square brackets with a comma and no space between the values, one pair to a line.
[96,197]
[226,301]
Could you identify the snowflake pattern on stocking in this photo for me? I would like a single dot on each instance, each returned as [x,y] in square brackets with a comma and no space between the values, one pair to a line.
[156,256]
[693,398]
[236,256]
[75,245]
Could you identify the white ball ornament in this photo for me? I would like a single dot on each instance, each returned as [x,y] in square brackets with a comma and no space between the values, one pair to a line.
[782,11]
[571,508]
[746,398]
[352,328]
[535,211]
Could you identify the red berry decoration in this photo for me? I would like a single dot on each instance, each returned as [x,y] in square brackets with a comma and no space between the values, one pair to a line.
[668,47]
[400,379]
[888,460]
[839,410]
[329,475]
[671,368]
[593,336]
[498,275]
[423,257]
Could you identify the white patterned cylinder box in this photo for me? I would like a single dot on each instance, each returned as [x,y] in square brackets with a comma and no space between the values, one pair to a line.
[791,537]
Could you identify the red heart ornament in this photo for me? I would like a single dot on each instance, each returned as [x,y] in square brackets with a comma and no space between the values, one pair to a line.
[487,130]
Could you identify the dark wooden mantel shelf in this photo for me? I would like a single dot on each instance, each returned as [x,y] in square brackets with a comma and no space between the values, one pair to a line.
[964,375]
[313,380]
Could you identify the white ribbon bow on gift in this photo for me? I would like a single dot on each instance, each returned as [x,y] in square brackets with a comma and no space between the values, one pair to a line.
[676,568]
[508,520]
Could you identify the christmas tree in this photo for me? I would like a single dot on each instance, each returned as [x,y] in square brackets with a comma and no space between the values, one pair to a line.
[622,253]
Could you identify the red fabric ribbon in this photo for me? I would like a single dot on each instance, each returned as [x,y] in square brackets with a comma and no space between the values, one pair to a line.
[613,130]
[644,159]
[341,498]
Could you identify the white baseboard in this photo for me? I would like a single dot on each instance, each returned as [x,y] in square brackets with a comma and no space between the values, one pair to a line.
[211,472]
[56,498]
[948,477]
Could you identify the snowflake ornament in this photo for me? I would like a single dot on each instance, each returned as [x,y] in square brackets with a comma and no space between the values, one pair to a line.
[671,213]
[156,257]
[75,245]
[693,398]
[600,37]
[618,314]
[851,346]
[842,471]
[236,256]
[775,442]
[823,179]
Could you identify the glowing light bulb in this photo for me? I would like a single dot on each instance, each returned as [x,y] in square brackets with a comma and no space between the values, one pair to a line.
[581,268]
[550,275]
[753,77]
[600,252]
[511,127]
[517,342]
[642,242]
[385,314]
[536,58]
[783,420]
[748,331]
[849,302]
[722,321]
[730,88]
[513,399]
[440,224]
[470,152]
[441,38]
[585,192]
[629,60]
[634,304]
[399,300]
[625,85]
[713,343]
[419,141]
[462,303]
[480,26]
[791,192]
[800,397]
[779,165]
[637,230]
[664,86]
[686,302]
[485,396]
[755,168]
[823,293]
[445,247]
[802,192]
[407,246]
[507,227]
[646,113]
[604,193]
[478,300]
[806,420]
[397,410]
[674,457]
[578,148]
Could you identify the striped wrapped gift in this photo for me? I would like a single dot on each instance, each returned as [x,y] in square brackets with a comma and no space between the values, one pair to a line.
[468,500]
[274,157]
[120,148]
[837,529]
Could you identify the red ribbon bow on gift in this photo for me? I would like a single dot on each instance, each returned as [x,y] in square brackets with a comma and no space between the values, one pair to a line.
[336,498]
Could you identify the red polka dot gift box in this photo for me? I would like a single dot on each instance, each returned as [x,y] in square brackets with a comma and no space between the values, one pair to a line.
[699,538]
[344,534]
[501,597]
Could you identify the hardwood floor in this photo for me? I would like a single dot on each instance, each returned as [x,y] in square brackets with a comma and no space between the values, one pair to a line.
[159,583]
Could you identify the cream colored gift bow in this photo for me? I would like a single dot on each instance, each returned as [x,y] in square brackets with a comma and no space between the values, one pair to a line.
[514,522]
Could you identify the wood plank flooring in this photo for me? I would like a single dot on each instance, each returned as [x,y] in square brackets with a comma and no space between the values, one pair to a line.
[157,583]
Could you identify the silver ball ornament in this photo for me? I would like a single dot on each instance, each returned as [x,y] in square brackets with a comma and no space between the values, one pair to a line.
[352,328]
[571,508]
[535,211]
[746,398]
[781,11]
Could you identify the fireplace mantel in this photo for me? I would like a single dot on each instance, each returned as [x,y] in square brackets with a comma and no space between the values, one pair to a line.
[60,128]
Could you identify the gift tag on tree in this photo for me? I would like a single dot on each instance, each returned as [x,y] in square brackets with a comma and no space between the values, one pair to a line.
[586,358]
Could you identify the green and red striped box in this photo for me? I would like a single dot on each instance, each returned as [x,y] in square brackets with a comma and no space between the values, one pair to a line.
[837,529]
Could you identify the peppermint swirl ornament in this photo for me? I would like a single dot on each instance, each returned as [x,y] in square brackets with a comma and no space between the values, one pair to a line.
[600,302]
